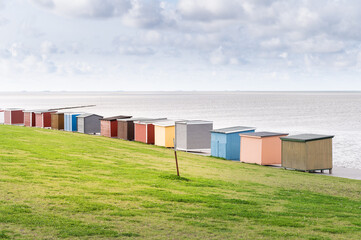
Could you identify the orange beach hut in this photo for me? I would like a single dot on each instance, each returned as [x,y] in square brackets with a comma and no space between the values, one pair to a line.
[263,148]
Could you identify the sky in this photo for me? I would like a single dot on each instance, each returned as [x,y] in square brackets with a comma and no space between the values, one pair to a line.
[157,45]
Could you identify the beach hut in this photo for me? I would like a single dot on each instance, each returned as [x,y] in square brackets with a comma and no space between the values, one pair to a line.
[57,121]
[89,123]
[109,125]
[13,116]
[1,116]
[29,118]
[70,122]
[263,148]
[225,142]
[164,133]
[126,127]
[193,135]
[144,130]
[43,118]
[307,152]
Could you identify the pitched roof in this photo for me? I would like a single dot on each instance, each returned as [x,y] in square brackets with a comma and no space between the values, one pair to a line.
[148,121]
[233,129]
[84,115]
[116,117]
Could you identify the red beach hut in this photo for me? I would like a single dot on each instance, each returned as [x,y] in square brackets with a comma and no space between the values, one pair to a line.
[43,118]
[109,126]
[144,130]
[13,116]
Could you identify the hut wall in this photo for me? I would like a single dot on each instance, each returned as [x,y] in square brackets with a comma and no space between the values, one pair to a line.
[251,150]
[47,119]
[150,133]
[181,135]
[271,150]
[7,117]
[160,136]
[28,119]
[92,124]
[38,120]
[199,136]
[105,128]
[294,155]
[123,132]
[80,122]
[1,117]
[169,136]
[140,132]
[218,145]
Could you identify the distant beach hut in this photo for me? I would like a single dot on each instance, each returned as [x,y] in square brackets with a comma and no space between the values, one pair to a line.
[193,135]
[144,130]
[57,121]
[109,125]
[89,123]
[13,116]
[29,118]
[164,133]
[225,142]
[1,116]
[126,127]
[43,118]
[307,152]
[263,148]
[71,121]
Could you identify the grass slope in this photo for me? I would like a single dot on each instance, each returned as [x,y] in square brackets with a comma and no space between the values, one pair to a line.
[59,185]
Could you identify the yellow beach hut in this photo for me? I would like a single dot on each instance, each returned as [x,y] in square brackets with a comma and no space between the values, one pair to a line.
[164,133]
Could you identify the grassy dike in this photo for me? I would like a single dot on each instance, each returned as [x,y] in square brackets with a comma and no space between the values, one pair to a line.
[60,185]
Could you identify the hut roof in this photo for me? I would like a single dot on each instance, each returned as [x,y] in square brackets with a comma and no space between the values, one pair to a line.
[165,123]
[44,111]
[134,119]
[114,118]
[306,137]
[233,129]
[263,134]
[13,109]
[84,115]
[194,122]
[151,120]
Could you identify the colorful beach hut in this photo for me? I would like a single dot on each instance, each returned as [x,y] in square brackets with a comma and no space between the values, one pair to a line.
[109,125]
[70,122]
[193,135]
[307,152]
[89,123]
[263,148]
[13,116]
[144,130]
[126,127]
[225,142]
[29,118]
[164,133]
[57,121]
[43,118]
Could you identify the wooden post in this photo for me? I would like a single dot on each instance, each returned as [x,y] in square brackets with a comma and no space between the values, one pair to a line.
[176,158]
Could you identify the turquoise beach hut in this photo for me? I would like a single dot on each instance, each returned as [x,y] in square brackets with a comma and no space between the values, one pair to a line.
[225,142]
[70,122]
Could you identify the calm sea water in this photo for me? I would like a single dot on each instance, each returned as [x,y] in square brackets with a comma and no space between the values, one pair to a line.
[335,113]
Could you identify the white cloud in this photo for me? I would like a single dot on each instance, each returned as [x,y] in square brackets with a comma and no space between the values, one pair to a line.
[48,47]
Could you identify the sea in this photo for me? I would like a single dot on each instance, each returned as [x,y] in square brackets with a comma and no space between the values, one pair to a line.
[331,113]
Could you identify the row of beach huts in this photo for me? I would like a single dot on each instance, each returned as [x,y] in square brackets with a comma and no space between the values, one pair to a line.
[305,152]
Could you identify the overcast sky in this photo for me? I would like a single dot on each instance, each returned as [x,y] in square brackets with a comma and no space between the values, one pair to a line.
[180,45]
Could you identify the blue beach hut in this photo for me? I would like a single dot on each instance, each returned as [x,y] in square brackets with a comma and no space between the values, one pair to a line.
[225,142]
[70,122]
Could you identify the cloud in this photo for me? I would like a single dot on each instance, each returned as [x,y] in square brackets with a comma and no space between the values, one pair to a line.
[48,47]
[87,8]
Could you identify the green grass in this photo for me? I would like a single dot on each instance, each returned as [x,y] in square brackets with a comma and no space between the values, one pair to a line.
[59,185]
